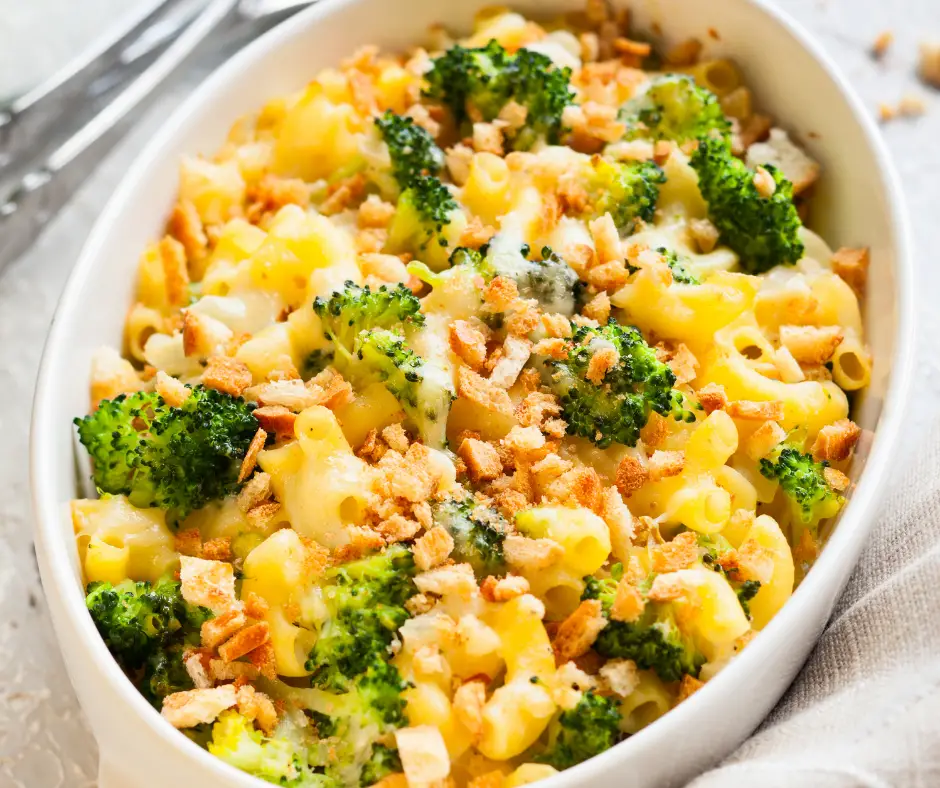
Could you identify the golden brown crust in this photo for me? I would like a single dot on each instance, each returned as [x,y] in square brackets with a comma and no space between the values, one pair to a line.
[251,456]
[473,387]
[432,549]
[631,475]
[712,397]
[503,589]
[482,460]
[247,639]
[748,410]
[276,419]
[851,265]
[468,343]
[577,633]
[835,441]
[678,554]
[227,375]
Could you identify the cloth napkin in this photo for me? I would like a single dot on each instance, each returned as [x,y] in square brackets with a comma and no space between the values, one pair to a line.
[865,710]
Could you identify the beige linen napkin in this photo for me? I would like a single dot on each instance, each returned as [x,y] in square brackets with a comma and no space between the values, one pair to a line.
[865,710]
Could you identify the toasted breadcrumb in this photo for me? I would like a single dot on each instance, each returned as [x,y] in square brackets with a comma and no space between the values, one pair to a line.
[531,555]
[678,554]
[456,579]
[836,441]
[468,703]
[764,439]
[631,475]
[851,265]
[577,633]
[276,419]
[473,387]
[197,707]
[836,479]
[208,584]
[756,411]
[712,397]
[432,549]
[227,375]
[663,464]
[244,641]
[688,686]
[504,588]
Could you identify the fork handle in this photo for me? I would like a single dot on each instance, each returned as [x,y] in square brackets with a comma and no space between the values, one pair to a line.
[43,191]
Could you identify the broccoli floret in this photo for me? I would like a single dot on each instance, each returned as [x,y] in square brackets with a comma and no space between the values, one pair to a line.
[488,78]
[680,273]
[654,641]
[674,108]
[746,591]
[582,732]
[478,532]
[177,459]
[365,604]
[803,479]
[383,762]
[711,549]
[370,710]
[278,759]
[145,626]
[549,280]
[315,362]
[628,191]
[425,391]
[424,209]
[412,149]
[764,231]
[354,309]
[619,406]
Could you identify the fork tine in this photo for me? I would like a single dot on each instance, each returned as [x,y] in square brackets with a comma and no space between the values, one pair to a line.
[47,187]
[31,125]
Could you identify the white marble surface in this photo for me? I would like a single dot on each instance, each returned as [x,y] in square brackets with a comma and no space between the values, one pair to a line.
[44,742]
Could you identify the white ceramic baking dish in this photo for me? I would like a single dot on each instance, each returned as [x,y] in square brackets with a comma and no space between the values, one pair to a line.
[858,203]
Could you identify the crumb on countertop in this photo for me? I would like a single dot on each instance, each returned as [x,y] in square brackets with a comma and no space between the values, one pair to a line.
[881,44]
[928,67]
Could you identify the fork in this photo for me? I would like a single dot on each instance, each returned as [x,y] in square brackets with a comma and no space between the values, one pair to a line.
[53,137]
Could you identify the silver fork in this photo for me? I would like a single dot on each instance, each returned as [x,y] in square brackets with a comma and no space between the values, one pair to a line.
[53,137]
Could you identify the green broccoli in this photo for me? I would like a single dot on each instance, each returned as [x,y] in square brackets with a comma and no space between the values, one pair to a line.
[616,409]
[674,108]
[412,150]
[424,210]
[359,720]
[354,309]
[803,479]
[424,390]
[746,591]
[478,532]
[177,459]
[145,626]
[680,273]
[282,760]
[488,78]
[764,231]
[654,641]
[586,730]
[315,362]
[711,549]
[383,762]
[365,601]
[627,190]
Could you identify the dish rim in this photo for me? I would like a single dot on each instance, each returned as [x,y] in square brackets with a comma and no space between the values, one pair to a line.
[843,546]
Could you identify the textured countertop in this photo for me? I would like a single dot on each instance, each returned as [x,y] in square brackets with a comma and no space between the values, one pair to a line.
[44,742]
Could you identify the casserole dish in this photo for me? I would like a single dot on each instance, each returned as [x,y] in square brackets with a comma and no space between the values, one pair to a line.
[858,203]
